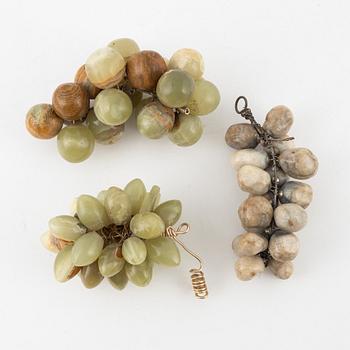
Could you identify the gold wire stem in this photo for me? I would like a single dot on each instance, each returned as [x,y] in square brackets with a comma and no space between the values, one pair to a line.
[197,275]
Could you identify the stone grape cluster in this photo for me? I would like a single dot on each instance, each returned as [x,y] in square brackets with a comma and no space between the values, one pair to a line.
[118,81]
[265,160]
[118,235]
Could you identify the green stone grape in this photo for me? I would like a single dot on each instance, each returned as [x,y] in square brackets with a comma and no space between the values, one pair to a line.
[136,191]
[140,275]
[90,275]
[113,107]
[134,250]
[91,212]
[163,250]
[151,200]
[205,98]
[104,134]
[118,206]
[64,267]
[75,143]
[109,263]
[187,130]
[169,212]
[147,225]
[125,46]
[174,88]
[120,280]
[87,249]
[66,227]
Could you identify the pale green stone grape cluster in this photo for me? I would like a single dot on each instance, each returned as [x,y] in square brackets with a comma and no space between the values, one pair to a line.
[120,81]
[118,235]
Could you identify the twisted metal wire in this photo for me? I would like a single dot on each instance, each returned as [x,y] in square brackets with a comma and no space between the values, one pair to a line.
[197,275]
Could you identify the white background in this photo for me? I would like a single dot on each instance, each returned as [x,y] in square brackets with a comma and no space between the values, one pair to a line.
[274,52]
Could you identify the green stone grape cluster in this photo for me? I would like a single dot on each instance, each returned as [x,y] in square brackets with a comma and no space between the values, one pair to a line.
[118,235]
[120,81]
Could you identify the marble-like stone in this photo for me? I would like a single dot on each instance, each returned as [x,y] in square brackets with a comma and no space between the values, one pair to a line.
[241,136]
[253,180]
[296,192]
[278,121]
[249,156]
[299,163]
[247,267]
[255,213]
[290,217]
[282,270]
[284,246]
[249,244]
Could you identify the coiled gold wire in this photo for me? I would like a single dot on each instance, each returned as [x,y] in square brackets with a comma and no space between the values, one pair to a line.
[197,275]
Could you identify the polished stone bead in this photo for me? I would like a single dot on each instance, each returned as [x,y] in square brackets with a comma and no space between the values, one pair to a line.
[53,244]
[253,180]
[66,227]
[169,212]
[249,244]
[247,267]
[90,275]
[284,246]
[188,60]
[91,212]
[87,249]
[241,136]
[147,225]
[118,206]
[42,122]
[105,68]
[113,107]
[75,143]
[175,88]
[70,101]
[282,270]
[109,262]
[119,281]
[205,98]
[104,134]
[140,275]
[296,192]
[150,200]
[163,250]
[290,217]
[255,213]
[186,131]
[82,79]
[278,121]
[250,156]
[155,120]
[282,177]
[134,250]
[144,70]
[299,163]
[136,191]
[125,46]
[64,268]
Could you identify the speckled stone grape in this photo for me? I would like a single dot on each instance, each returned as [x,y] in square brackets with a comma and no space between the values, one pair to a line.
[299,163]
[258,158]
[125,46]
[155,120]
[249,244]
[104,134]
[147,225]
[296,192]
[282,270]
[186,131]
[284,246]
[290,217]
[205,98]
[42,122]
[247,267]
[175,88]
[163,250]
[75,143]
[113,107]
[278,121]
[105,68]
[241,136]
[253,180]
[188,60]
